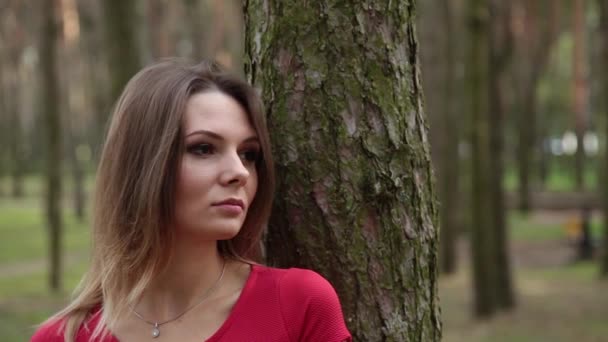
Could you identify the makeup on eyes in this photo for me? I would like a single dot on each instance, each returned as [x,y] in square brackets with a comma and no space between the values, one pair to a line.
[249,153]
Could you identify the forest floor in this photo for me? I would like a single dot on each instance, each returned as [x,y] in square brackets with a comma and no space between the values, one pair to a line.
[558,299]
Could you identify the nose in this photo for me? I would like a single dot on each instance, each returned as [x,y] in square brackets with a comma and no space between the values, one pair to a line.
[234,172]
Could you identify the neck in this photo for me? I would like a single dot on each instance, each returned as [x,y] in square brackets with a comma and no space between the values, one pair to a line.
[193,270]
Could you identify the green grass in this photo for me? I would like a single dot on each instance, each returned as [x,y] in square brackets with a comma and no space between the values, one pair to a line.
[586,271]
[35,284]
[13,326]
[34,185]
[527,228]
[25,298]
[557,180]
[24,222]
[558,300]
[558,304]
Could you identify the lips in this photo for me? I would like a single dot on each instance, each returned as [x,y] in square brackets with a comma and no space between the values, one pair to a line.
[231,201]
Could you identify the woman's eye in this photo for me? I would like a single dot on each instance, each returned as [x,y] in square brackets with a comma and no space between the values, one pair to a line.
[201,149]
[250,156]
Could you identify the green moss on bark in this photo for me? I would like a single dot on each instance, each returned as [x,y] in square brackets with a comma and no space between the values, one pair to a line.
[355,196]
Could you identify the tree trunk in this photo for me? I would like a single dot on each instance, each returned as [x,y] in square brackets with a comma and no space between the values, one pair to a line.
[450,190]
[536,35]
[580,89]
[3,127]
[13,49]
[526,144]
[355,197]
[50,98]
[544,158]
[162,42]
[74,128]
[16,135]
[195,27]
[78,197]
[121,43]
[500,53]
[603,6]
[95,72]
[481,230]
[215,40]
[74,105]
[438,59]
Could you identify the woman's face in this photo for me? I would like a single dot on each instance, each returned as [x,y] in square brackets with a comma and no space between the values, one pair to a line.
[217,179]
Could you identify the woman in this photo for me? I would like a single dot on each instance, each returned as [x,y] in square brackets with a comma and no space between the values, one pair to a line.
[184,187]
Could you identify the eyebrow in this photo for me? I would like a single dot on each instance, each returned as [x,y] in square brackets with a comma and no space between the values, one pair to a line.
[219,137]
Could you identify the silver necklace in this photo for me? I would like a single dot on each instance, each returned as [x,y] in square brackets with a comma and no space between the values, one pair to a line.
[156,325]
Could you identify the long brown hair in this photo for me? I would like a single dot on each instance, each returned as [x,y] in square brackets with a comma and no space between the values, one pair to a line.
[135,187]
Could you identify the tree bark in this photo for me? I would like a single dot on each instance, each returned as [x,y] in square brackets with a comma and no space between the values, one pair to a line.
[482,243]
[354,197]
[50,98]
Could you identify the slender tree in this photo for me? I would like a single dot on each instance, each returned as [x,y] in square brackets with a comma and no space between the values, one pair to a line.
[14,30]
[121,43]
[450,190]
[95,71]
[533,41]
[161,42]
[580,88]
[3,122]
[195,26]
[15,135]
[355,196]
[500,45]
[73,103]
[215,40]
[482,241]
[603,6]
[438,59]
[50,102]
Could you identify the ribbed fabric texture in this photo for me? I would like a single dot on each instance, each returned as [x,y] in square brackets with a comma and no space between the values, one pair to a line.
[276,305]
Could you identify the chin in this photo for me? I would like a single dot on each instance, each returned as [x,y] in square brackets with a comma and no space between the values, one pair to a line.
[227,234]
[214,229]
[223,230]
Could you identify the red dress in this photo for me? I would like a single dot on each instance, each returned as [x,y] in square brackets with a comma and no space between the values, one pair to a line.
[275,305]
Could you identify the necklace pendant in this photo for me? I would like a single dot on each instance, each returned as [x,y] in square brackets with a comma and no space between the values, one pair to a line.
[155,331]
